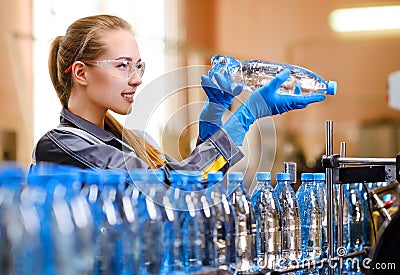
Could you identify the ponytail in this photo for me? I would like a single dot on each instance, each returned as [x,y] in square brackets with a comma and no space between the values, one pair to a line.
[142,149]
[60,81]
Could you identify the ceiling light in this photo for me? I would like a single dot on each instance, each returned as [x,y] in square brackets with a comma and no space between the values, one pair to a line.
[365,19]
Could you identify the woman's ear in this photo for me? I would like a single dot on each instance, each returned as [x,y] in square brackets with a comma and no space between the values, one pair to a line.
[79,72]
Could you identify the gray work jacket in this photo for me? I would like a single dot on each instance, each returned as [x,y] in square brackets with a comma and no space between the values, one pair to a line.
[81,143]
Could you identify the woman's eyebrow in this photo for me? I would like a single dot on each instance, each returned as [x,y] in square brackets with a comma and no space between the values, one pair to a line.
[128,58]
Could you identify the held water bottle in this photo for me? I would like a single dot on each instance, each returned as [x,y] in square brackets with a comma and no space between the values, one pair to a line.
[224,221]
[268,220]
[246,235]
[254,74]
[310,214]
[291,223]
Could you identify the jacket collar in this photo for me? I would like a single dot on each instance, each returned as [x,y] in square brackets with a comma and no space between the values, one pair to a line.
[66,117]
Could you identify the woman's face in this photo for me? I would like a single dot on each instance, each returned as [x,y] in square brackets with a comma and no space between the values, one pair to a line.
[109,87]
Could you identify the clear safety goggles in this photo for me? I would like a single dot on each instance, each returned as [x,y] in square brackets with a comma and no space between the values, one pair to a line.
[119,68]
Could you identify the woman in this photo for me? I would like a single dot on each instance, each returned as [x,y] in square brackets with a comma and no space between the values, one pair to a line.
[97,67]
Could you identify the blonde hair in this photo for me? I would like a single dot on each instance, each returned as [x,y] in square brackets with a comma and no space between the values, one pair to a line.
[83,41]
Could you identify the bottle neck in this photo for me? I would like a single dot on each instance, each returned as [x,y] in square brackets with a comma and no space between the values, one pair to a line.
[264,184]
[308,183]
[234,184]
[284,182]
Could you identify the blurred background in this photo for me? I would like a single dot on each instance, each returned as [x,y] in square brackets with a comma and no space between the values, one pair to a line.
[177,33]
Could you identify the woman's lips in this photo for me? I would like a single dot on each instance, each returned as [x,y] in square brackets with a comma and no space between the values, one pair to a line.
[128,96]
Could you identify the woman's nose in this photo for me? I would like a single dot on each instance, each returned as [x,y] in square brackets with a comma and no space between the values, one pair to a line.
[135,80]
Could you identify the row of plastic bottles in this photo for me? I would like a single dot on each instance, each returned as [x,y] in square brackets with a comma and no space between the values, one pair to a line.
[64,220]
[292,227]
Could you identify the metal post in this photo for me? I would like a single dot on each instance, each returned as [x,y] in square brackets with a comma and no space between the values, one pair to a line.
[340,208]
[329,188]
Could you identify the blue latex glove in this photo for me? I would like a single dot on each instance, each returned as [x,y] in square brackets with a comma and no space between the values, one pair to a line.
[219,98]
[266,101]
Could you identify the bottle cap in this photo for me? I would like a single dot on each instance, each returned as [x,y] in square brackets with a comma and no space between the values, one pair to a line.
[307,176]
[282,176]
[114,177]
[235,176]
[215,176]
[195,176]
[263,176]
[178,175]
[141,174]
[11,176]
[331,88]
[91,176]
[319,176]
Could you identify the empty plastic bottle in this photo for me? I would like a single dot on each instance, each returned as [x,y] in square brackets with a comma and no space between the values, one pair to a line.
[291,223]
[246,235]
[268,220]
[254,74]
[224,221]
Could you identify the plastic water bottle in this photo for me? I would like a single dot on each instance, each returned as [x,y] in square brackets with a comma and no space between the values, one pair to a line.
[346,222]
[208,233]
[356,214]
[291,223]
[319,181]
[71,224]
[102,197]
[224,221]
[174,206]
[246,235]
[183,236]
[367,218]
[150,182]
[268,220]
[254,74]
[310,214]
[36,197]
[128,206]
[17,242]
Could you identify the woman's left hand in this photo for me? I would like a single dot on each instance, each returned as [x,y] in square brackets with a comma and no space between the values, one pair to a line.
[220,96]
